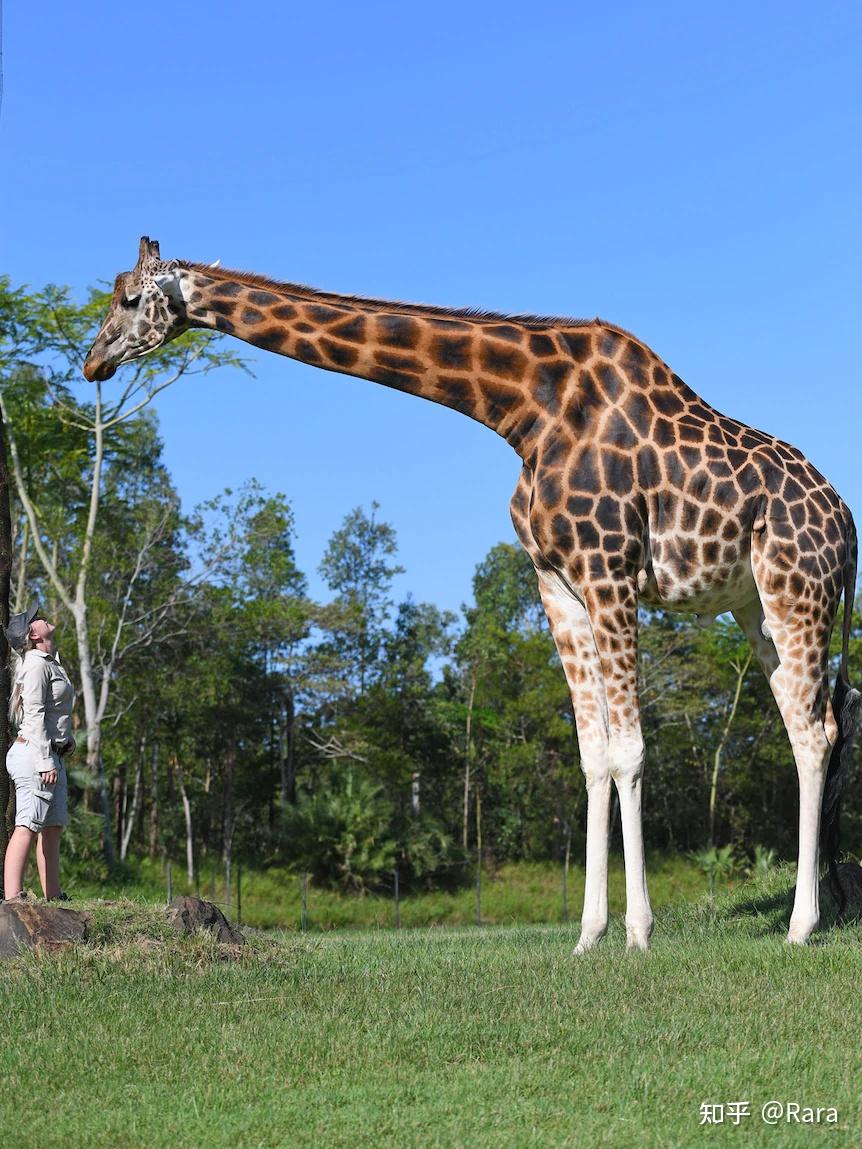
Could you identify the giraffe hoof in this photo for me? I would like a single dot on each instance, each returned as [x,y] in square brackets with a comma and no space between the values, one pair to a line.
[798,935]
[800,929]
[637,941]
[638,936]
[587,942]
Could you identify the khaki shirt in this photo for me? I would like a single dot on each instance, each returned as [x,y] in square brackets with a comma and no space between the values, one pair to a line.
[47,698]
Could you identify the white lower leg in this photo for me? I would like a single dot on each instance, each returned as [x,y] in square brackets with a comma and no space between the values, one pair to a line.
[811,766]
[573,634]
[627,756]
[594,918]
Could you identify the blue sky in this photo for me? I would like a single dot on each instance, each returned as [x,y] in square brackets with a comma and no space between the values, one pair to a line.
[690,172]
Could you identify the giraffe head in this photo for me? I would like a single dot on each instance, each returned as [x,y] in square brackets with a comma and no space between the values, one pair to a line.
[147,310]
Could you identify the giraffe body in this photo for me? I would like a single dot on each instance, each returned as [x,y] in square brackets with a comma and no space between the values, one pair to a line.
[632,489]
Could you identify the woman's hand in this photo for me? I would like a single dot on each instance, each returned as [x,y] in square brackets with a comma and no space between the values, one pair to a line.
[49,777]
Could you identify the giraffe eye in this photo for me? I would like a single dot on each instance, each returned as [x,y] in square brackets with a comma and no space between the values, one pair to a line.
[130,301]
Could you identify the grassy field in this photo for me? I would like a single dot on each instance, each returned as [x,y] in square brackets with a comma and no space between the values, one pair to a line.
[435,1037]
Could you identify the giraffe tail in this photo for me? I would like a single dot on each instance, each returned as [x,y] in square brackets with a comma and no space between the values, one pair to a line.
[845,706]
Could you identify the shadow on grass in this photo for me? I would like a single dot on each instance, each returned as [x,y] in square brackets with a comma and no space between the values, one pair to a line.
[771,911]
[765,905]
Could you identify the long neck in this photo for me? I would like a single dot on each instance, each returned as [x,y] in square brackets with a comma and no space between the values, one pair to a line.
[493,370]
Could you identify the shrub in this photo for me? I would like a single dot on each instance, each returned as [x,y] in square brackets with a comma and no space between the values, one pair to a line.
[340,834]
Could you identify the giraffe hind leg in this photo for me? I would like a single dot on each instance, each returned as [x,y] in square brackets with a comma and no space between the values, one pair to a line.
[794,658]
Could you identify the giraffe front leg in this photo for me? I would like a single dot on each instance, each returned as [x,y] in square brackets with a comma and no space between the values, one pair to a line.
[573,636]
[613,614]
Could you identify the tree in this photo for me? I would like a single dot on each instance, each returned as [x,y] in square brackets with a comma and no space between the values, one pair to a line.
[242,662]
[357,567]
[280,614]
[518,730]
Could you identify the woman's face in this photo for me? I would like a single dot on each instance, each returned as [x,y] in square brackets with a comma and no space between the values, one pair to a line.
[42,632]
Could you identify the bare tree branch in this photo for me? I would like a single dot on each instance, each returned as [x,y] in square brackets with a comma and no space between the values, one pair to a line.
[183,369]
[332,748]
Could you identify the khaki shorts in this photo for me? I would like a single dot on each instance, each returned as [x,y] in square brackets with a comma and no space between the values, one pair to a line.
[36,804]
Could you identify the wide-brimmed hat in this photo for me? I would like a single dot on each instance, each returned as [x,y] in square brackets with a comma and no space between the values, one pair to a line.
[19,627]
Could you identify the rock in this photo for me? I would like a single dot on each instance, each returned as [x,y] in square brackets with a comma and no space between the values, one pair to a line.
[26,925]
[189,914]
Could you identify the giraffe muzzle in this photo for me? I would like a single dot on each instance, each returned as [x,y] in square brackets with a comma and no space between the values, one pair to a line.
[97,369]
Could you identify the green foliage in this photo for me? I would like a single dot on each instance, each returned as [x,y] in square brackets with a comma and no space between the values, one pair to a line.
[763,862]
[718,863]
[357,567]
[82,838]
[340,834]
[427,854]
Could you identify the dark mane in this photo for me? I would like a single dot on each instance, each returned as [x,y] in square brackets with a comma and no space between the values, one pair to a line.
[358,302]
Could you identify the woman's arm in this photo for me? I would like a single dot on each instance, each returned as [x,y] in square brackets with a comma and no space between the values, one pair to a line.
[35,683]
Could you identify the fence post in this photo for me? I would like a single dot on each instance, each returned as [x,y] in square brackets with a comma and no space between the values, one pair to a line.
[238,894]
[168,882]
[566,872]
[304,895]
[397,901]
[478,856]
[227,890]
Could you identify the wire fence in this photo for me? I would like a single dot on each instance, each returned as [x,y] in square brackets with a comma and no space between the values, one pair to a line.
[388,886]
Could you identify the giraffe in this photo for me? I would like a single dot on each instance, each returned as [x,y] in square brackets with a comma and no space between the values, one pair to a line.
[632,489]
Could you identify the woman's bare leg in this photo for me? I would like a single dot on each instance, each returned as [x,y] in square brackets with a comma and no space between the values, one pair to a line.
[48,860]
[16,860]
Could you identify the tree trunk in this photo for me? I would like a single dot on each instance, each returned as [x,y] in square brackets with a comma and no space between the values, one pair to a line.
[129,827]
[741,671]
[95,762]
[468,754]
[187,815]
[567,853]
[229,811]
[287,748]
[21,585]
[121,801]
[5,676]
[153,838]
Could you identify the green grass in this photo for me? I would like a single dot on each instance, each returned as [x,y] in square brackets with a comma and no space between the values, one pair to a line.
[436,1037]
[517,894]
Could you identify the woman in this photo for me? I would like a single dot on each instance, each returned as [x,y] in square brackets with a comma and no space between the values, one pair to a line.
[41,704]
